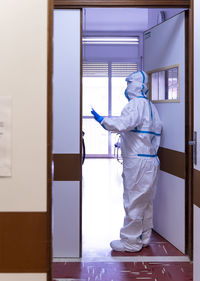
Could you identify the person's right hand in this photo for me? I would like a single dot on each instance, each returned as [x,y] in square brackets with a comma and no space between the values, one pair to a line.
[97,117]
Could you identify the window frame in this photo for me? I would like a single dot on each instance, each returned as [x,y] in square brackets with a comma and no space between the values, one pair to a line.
[109,62]
[159,70]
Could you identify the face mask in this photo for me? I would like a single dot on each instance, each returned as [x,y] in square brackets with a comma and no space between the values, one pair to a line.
[126,94]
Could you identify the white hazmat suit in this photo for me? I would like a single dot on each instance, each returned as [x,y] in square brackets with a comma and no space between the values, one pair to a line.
[140,128]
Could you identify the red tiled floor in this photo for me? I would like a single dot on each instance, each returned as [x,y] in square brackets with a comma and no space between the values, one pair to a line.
[158,247]
[123,271]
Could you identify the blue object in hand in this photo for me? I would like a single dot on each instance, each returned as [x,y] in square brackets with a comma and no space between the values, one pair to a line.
[97,117]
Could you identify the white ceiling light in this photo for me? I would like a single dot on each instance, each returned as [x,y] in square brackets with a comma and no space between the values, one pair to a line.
[111,40]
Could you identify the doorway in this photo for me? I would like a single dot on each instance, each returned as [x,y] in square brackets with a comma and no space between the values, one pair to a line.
[83,97]
[101,51]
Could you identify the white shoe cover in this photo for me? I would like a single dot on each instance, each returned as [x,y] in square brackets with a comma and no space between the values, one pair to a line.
[117,245]
[146,236]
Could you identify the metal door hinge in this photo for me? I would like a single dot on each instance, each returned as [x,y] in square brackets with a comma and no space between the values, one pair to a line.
[194,144]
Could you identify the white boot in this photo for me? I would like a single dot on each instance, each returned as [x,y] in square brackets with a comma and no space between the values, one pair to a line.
[146,237]
[117,245]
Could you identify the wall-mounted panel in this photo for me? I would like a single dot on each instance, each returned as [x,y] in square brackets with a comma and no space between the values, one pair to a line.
[66,82]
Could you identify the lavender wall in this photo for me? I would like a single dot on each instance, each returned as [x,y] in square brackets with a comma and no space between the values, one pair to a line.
[153,15]
[119,22]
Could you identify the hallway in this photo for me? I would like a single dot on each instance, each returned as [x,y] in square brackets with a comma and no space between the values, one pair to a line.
[102,218]
[103,212]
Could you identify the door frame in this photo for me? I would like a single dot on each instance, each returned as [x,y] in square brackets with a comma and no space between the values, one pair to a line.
[78,4]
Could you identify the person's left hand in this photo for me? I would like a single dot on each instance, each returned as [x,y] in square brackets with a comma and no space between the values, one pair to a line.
[97,117]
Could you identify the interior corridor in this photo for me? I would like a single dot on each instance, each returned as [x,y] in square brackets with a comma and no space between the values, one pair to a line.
[102,218]
[103,212]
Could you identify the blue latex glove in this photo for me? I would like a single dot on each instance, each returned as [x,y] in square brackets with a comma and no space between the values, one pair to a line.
[97,117]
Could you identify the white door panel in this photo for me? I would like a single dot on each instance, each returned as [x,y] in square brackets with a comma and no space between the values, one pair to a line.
[172,214]
[169,40]
[66,214]
[66,82]
[173,135]
[66,130]
[164,47]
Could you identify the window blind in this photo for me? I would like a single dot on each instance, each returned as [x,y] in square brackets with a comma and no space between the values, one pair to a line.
[101,69]
[123,69]
[95,70]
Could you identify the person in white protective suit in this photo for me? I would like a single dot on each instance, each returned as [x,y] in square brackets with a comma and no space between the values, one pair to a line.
[140,128]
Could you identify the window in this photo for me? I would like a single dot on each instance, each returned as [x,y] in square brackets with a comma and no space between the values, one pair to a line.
[103,89]
[165,85]
[95,94]
[119,71]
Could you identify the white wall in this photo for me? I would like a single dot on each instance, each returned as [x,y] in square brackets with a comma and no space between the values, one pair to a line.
[129,53]
[23,77]
[115,19]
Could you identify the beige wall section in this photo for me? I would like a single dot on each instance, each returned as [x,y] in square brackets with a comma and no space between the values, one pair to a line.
[23,76]
[23,277]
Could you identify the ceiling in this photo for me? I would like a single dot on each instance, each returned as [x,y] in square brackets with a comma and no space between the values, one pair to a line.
[115,19]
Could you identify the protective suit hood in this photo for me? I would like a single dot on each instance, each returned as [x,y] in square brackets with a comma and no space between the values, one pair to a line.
[137,85]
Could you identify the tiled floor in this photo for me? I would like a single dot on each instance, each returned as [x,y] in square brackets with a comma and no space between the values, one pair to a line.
[122,271]
[102,218]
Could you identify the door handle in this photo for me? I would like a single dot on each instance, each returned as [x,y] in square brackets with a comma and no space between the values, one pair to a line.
[194,144]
